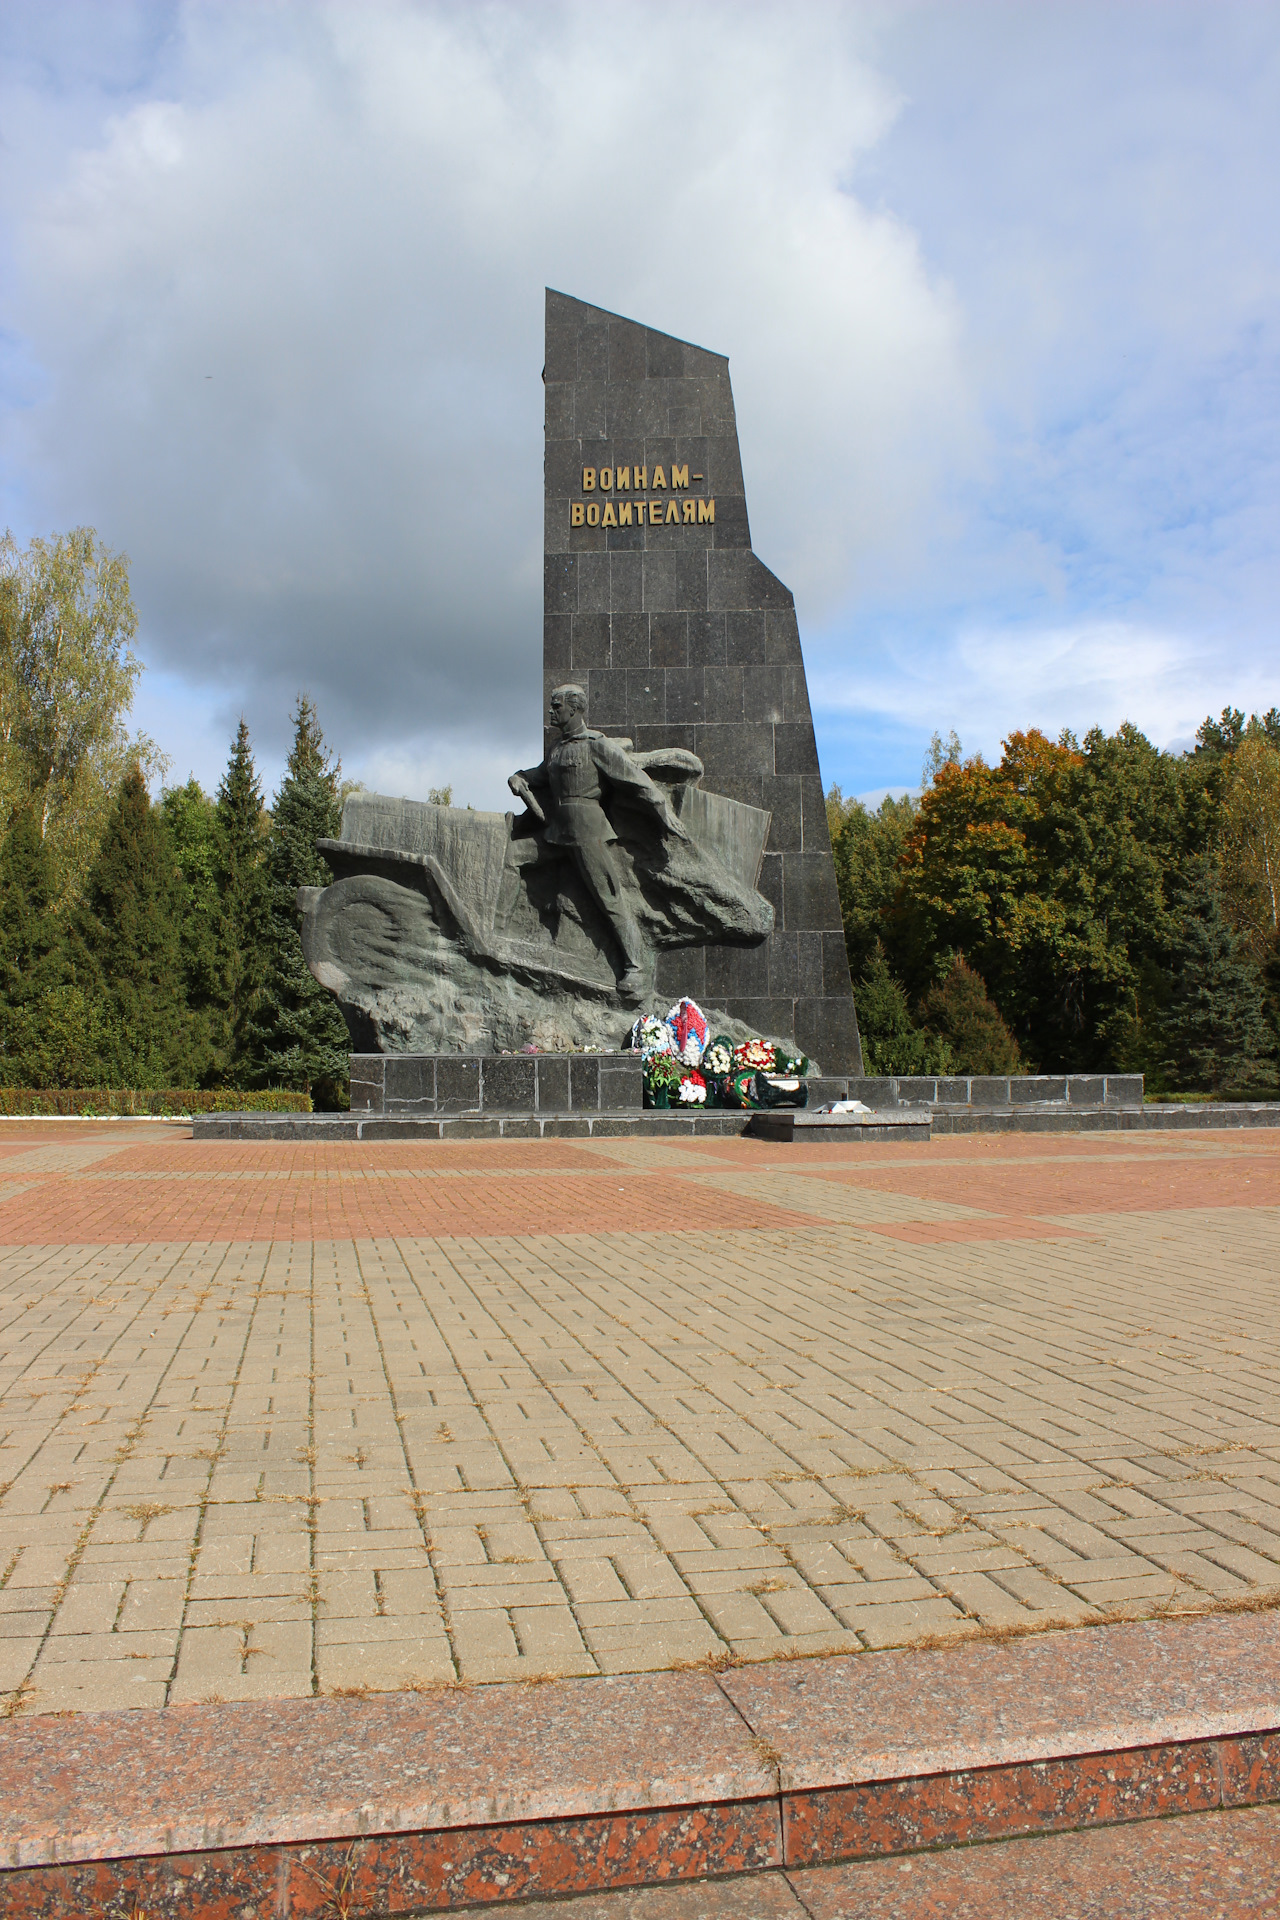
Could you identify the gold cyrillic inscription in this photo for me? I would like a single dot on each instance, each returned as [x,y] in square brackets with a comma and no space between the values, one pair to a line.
[647,513]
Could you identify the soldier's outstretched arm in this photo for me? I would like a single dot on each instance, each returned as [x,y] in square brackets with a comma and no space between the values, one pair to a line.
[622,772]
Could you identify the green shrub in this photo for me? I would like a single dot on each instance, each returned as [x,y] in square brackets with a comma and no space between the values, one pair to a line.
[34,1102]
[266,1100]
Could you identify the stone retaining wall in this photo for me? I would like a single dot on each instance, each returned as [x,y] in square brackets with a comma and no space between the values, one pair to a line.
[423,1085]
[961,1092]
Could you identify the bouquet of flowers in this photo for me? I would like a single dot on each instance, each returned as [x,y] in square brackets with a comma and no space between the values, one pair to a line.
[693,1090]
[718,1057]
[793,1065]
[651,1035]
[756,1054]
[688,1024]
[662,1076]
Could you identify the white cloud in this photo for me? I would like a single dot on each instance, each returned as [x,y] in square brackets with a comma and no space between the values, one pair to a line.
[291,312]
[997,284]
[1098,673]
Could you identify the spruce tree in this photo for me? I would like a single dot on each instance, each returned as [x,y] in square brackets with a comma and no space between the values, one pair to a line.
[299,1038]
[33,956]
[891,1041]
[1215,1031]
[960,1011]
[244,924]
[191,823]
[128,944]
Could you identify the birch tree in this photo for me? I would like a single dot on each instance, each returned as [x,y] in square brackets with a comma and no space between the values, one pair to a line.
[67,680]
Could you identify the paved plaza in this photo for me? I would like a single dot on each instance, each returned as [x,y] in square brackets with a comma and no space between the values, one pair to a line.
[285,1419]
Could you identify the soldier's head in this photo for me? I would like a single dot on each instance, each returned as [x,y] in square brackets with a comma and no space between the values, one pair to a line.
[568,709]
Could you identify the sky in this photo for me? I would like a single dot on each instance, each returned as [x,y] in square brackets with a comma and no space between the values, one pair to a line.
[997,283]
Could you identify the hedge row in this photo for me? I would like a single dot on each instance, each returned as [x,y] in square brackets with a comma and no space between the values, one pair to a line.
[34,1101]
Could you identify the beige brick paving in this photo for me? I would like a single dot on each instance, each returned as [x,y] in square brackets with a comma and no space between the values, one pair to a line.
[242,1470]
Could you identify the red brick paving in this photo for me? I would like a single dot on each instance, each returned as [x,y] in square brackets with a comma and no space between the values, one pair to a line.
[297,1191]
[85,1210]
[51,1132]
[1251,1180]
[339,1156]
[980,1149]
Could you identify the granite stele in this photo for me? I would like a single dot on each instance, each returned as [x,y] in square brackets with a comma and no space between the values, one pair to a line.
[673,839]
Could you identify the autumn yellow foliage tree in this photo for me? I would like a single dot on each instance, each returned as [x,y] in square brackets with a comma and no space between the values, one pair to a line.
[1058,875]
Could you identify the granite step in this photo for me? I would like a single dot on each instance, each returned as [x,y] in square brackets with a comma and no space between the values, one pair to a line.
[903,1122]
[1198,1866]
[455,1797]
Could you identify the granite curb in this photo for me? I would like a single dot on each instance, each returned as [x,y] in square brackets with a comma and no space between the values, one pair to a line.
[443,1799]
[645,1124]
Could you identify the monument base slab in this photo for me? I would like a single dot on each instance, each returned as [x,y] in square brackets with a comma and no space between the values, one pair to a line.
[439,1085]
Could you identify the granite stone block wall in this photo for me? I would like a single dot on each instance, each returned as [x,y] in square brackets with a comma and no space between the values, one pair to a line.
[427,1085]
[683,638]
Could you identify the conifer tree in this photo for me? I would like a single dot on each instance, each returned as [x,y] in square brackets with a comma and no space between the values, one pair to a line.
[128,946]
[891,1041]
[960,1011]
[244,923]
[191,823]
[300,1039]
[33,958]
[1215,1031]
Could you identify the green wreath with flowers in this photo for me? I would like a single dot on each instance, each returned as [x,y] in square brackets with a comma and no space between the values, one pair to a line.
[662,1076]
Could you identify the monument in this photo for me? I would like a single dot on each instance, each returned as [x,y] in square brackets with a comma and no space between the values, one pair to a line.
[655,602]
[673,839]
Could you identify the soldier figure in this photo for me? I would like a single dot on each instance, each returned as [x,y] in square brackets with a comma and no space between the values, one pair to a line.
[580,770]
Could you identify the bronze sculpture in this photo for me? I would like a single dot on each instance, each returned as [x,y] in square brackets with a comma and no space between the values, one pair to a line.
[581,770]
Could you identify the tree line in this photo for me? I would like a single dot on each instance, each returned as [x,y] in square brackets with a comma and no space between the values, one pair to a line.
[1080,906]
[144,943]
